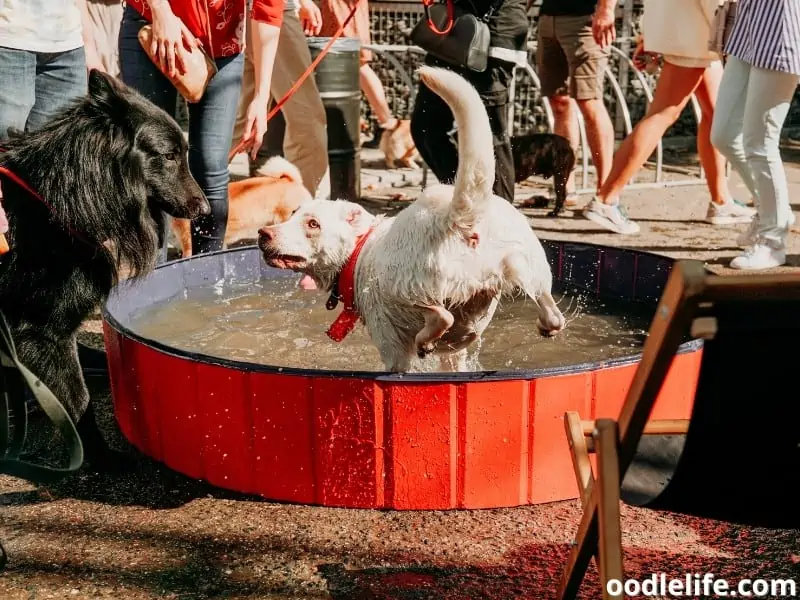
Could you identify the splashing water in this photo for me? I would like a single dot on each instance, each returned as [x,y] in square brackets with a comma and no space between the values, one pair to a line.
[276,323]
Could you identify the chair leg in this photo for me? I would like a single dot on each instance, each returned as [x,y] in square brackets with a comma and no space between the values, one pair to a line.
[580,454]
[608,482]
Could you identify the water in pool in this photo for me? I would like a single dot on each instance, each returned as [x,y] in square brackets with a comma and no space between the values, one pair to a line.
[274,322]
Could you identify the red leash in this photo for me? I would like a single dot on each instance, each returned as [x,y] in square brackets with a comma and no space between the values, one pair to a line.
[34,194]
[240,146]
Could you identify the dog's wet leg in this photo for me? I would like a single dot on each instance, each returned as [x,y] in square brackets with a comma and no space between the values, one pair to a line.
[56,364]
[437,321]
[550,321]
[560,188]
[455,362]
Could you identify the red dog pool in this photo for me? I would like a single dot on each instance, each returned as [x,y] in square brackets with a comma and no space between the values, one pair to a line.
[375,440]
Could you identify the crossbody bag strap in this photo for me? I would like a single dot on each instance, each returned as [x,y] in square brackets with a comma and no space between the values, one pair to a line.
[12,405]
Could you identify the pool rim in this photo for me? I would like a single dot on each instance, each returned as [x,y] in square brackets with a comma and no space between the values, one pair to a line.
[689,346]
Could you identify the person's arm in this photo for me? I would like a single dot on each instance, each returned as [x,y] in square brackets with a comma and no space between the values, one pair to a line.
[266,19]
[603,28]
[89,46]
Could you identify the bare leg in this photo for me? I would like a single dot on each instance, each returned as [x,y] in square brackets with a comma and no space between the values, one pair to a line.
[565,124]
[437,321]
[674,88]
[712,160]
[599,136]
[376,96]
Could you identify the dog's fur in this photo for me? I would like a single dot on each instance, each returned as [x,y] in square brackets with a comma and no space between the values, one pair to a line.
[429,279]
[107,166]
[547,155]
[398,146]
[254,203]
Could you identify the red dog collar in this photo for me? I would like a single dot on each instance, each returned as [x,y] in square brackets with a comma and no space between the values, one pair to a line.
[344,290]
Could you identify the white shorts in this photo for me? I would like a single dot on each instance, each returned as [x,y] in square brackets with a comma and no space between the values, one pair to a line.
[688,62]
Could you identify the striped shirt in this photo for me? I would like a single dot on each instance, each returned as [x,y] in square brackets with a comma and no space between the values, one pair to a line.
[766,35]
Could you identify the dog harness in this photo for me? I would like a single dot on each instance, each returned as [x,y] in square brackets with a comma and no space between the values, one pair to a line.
[344,290]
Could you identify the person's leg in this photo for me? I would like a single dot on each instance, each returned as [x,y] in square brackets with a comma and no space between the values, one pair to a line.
[306,139]
[431,124]
[211,124]
[673,91]
[16,101]
[60,78]
[723,210]
[139,72]
[492,86]
[553,71]
[769,95]
[587,62]
[376,96]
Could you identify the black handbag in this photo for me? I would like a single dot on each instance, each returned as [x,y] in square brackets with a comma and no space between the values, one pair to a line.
[453,35]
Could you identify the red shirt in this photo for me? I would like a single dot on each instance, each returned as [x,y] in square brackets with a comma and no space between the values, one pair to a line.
[227,20]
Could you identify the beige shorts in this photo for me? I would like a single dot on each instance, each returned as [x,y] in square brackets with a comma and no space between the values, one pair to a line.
[569,61]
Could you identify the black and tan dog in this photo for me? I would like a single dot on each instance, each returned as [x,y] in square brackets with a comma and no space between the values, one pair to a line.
[84,197]
[547,155]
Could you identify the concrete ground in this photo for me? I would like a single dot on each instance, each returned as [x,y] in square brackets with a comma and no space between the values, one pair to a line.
[154,534]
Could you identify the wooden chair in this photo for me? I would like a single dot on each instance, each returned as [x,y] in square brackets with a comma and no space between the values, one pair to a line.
[741,451]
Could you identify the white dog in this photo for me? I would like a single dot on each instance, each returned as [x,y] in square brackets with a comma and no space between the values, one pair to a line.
[429,279]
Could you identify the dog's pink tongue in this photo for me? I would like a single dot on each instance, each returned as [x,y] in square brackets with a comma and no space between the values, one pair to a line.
[307,283]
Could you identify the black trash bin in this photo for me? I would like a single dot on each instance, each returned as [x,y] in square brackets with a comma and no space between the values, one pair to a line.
[338,83]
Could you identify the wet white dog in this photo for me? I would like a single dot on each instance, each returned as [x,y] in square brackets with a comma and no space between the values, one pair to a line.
[428,280]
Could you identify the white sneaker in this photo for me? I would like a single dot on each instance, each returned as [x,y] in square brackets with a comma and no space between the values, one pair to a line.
[610,216]
[729,213]
[759,256]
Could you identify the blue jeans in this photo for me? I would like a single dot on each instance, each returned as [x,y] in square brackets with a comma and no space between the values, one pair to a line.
[36,86]
[210,124]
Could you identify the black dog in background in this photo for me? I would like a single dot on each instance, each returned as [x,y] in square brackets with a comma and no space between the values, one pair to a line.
[547,155]
[105,169]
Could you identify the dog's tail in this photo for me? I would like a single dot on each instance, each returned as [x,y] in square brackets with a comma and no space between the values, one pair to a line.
[278,167]
[476,169]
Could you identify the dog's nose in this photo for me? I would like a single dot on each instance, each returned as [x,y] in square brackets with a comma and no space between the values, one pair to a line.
[265,234]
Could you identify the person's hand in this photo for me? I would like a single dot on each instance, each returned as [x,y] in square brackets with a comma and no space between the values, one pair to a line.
[643,60]
[310,17]
[171,38]
[255,127]
[603,29]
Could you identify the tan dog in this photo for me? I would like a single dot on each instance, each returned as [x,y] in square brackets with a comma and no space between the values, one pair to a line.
[254,203]
[397,145]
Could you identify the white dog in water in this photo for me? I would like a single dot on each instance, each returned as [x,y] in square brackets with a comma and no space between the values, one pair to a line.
[429,279]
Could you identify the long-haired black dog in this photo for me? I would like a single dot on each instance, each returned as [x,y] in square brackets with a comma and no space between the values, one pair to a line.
[105,169]
[547,155]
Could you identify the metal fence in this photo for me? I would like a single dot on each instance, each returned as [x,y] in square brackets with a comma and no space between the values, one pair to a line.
[627,90]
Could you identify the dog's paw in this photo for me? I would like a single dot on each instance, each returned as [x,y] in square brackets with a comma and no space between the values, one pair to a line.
[424,350]
[551,329]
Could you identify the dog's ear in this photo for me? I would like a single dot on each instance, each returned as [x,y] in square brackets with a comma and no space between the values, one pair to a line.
[105,90]
[358,218]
